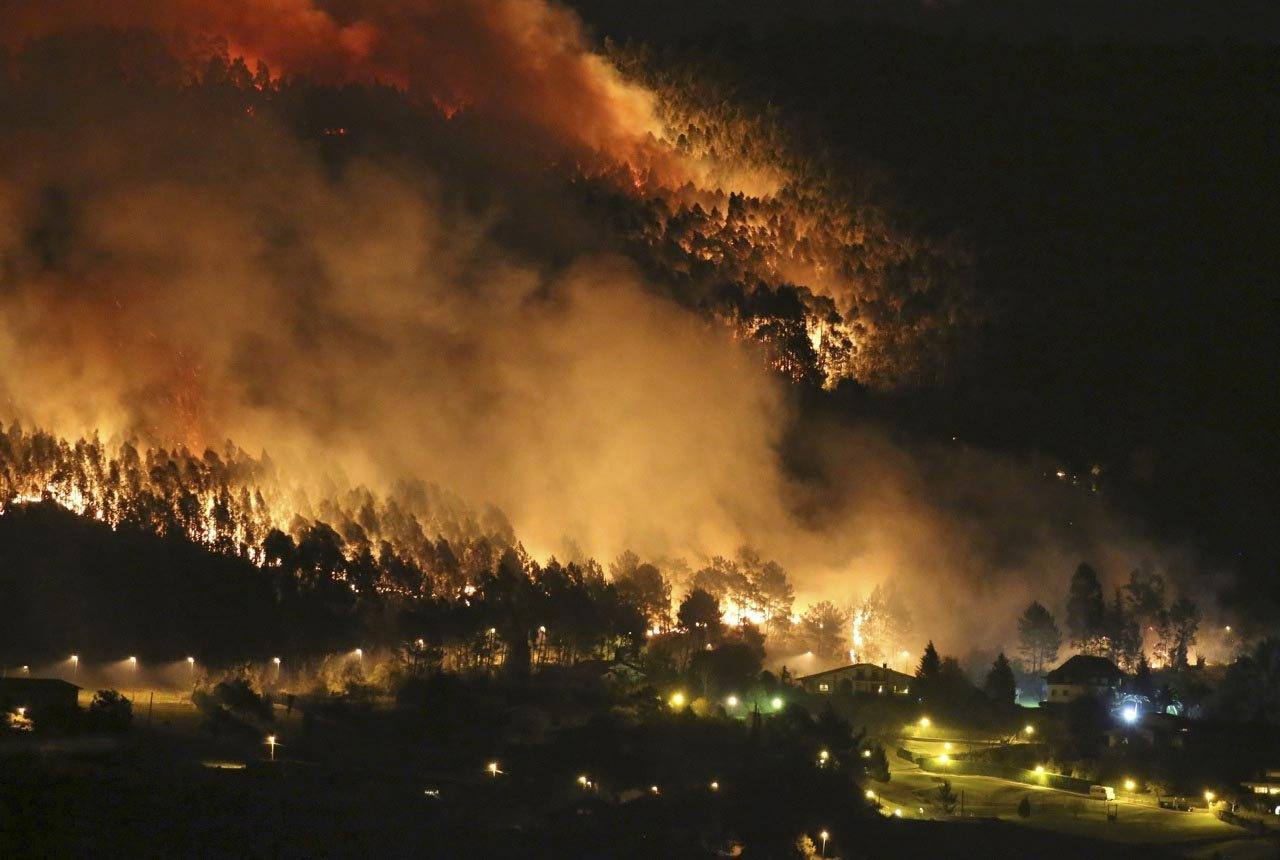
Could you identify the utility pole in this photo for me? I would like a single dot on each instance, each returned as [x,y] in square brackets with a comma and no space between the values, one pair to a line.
[962,803]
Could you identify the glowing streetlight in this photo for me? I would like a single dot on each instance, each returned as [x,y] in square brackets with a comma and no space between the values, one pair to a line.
[492,768]
[1130,714]
[75,664]
[26,670]
[1030,730]
[866,753]
[677,700]
[653,789]
[897,813]
[583,781]
[715,786]
[22,711]
[1040,769]
[271,745]
[1130,785]
[946,745]
[824,755]
[944,759]
[777,703]
[1209,796]
[732,701]
[823,836]
[869,794]
[133,663]
[925,723]
[275,660]
[359,652]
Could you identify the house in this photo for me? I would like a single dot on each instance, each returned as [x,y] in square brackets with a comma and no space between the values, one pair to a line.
[1268,785]
[35,697]
[1081,676]
[858,678]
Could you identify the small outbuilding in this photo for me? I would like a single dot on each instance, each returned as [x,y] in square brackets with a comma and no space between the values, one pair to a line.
[37,697]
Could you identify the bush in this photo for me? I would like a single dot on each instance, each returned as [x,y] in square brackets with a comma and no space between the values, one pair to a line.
[1024,807]
[110,712]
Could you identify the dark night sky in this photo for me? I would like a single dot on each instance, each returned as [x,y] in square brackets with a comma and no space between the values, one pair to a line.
[1115,171]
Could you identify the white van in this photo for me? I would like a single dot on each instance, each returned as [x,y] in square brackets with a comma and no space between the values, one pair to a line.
[1102,792]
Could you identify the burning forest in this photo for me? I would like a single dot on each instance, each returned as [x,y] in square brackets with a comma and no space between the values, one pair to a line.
[532,440]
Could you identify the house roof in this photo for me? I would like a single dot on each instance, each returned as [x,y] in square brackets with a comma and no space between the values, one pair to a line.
[1084,669]
[887,673]
[23,685]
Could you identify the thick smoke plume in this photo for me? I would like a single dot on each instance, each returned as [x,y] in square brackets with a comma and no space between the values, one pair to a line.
[180,266]
[523,60]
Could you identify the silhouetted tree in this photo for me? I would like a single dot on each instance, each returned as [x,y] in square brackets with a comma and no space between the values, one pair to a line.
[1000,686]
[1039,637]
[1086,611]
[930,668]
[1184,621]
[699,616]
[824,627]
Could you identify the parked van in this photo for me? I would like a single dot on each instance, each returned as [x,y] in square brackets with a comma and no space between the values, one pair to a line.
[1102,792]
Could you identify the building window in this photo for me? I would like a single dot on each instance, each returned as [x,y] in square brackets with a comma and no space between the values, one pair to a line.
[823,688]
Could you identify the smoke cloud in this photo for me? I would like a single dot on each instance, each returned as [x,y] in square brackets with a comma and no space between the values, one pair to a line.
[174,267]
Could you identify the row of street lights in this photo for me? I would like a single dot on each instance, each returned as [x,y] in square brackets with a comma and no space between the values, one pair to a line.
[677,700]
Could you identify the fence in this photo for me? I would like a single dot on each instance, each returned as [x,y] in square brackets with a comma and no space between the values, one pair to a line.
[1016,774]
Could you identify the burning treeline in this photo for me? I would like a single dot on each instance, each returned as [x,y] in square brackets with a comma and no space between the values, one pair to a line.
[449,240]
[419,560]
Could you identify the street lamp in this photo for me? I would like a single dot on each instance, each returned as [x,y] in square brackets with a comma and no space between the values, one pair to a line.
[271,745]
[925,723]
[777,703]
[653,789]
[823,756]
[1209,797]
[677,700]
[823,836]
[715,786]
[1030,730]
[1130,785]
[75,664]
[133,663]
[732,701]
[1040,769]
[492,768]
[869,794]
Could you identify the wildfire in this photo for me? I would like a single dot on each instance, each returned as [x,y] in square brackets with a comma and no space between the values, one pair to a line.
[230,503]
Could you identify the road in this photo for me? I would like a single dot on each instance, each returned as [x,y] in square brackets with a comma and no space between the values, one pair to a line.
[1139,822]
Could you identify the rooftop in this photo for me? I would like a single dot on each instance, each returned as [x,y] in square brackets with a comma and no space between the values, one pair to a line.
[1084,669]
[877,667]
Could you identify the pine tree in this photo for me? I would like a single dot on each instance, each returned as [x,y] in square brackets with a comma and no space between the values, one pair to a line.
[1000,685]
[1086,610]
[930,668]
[1039,637]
